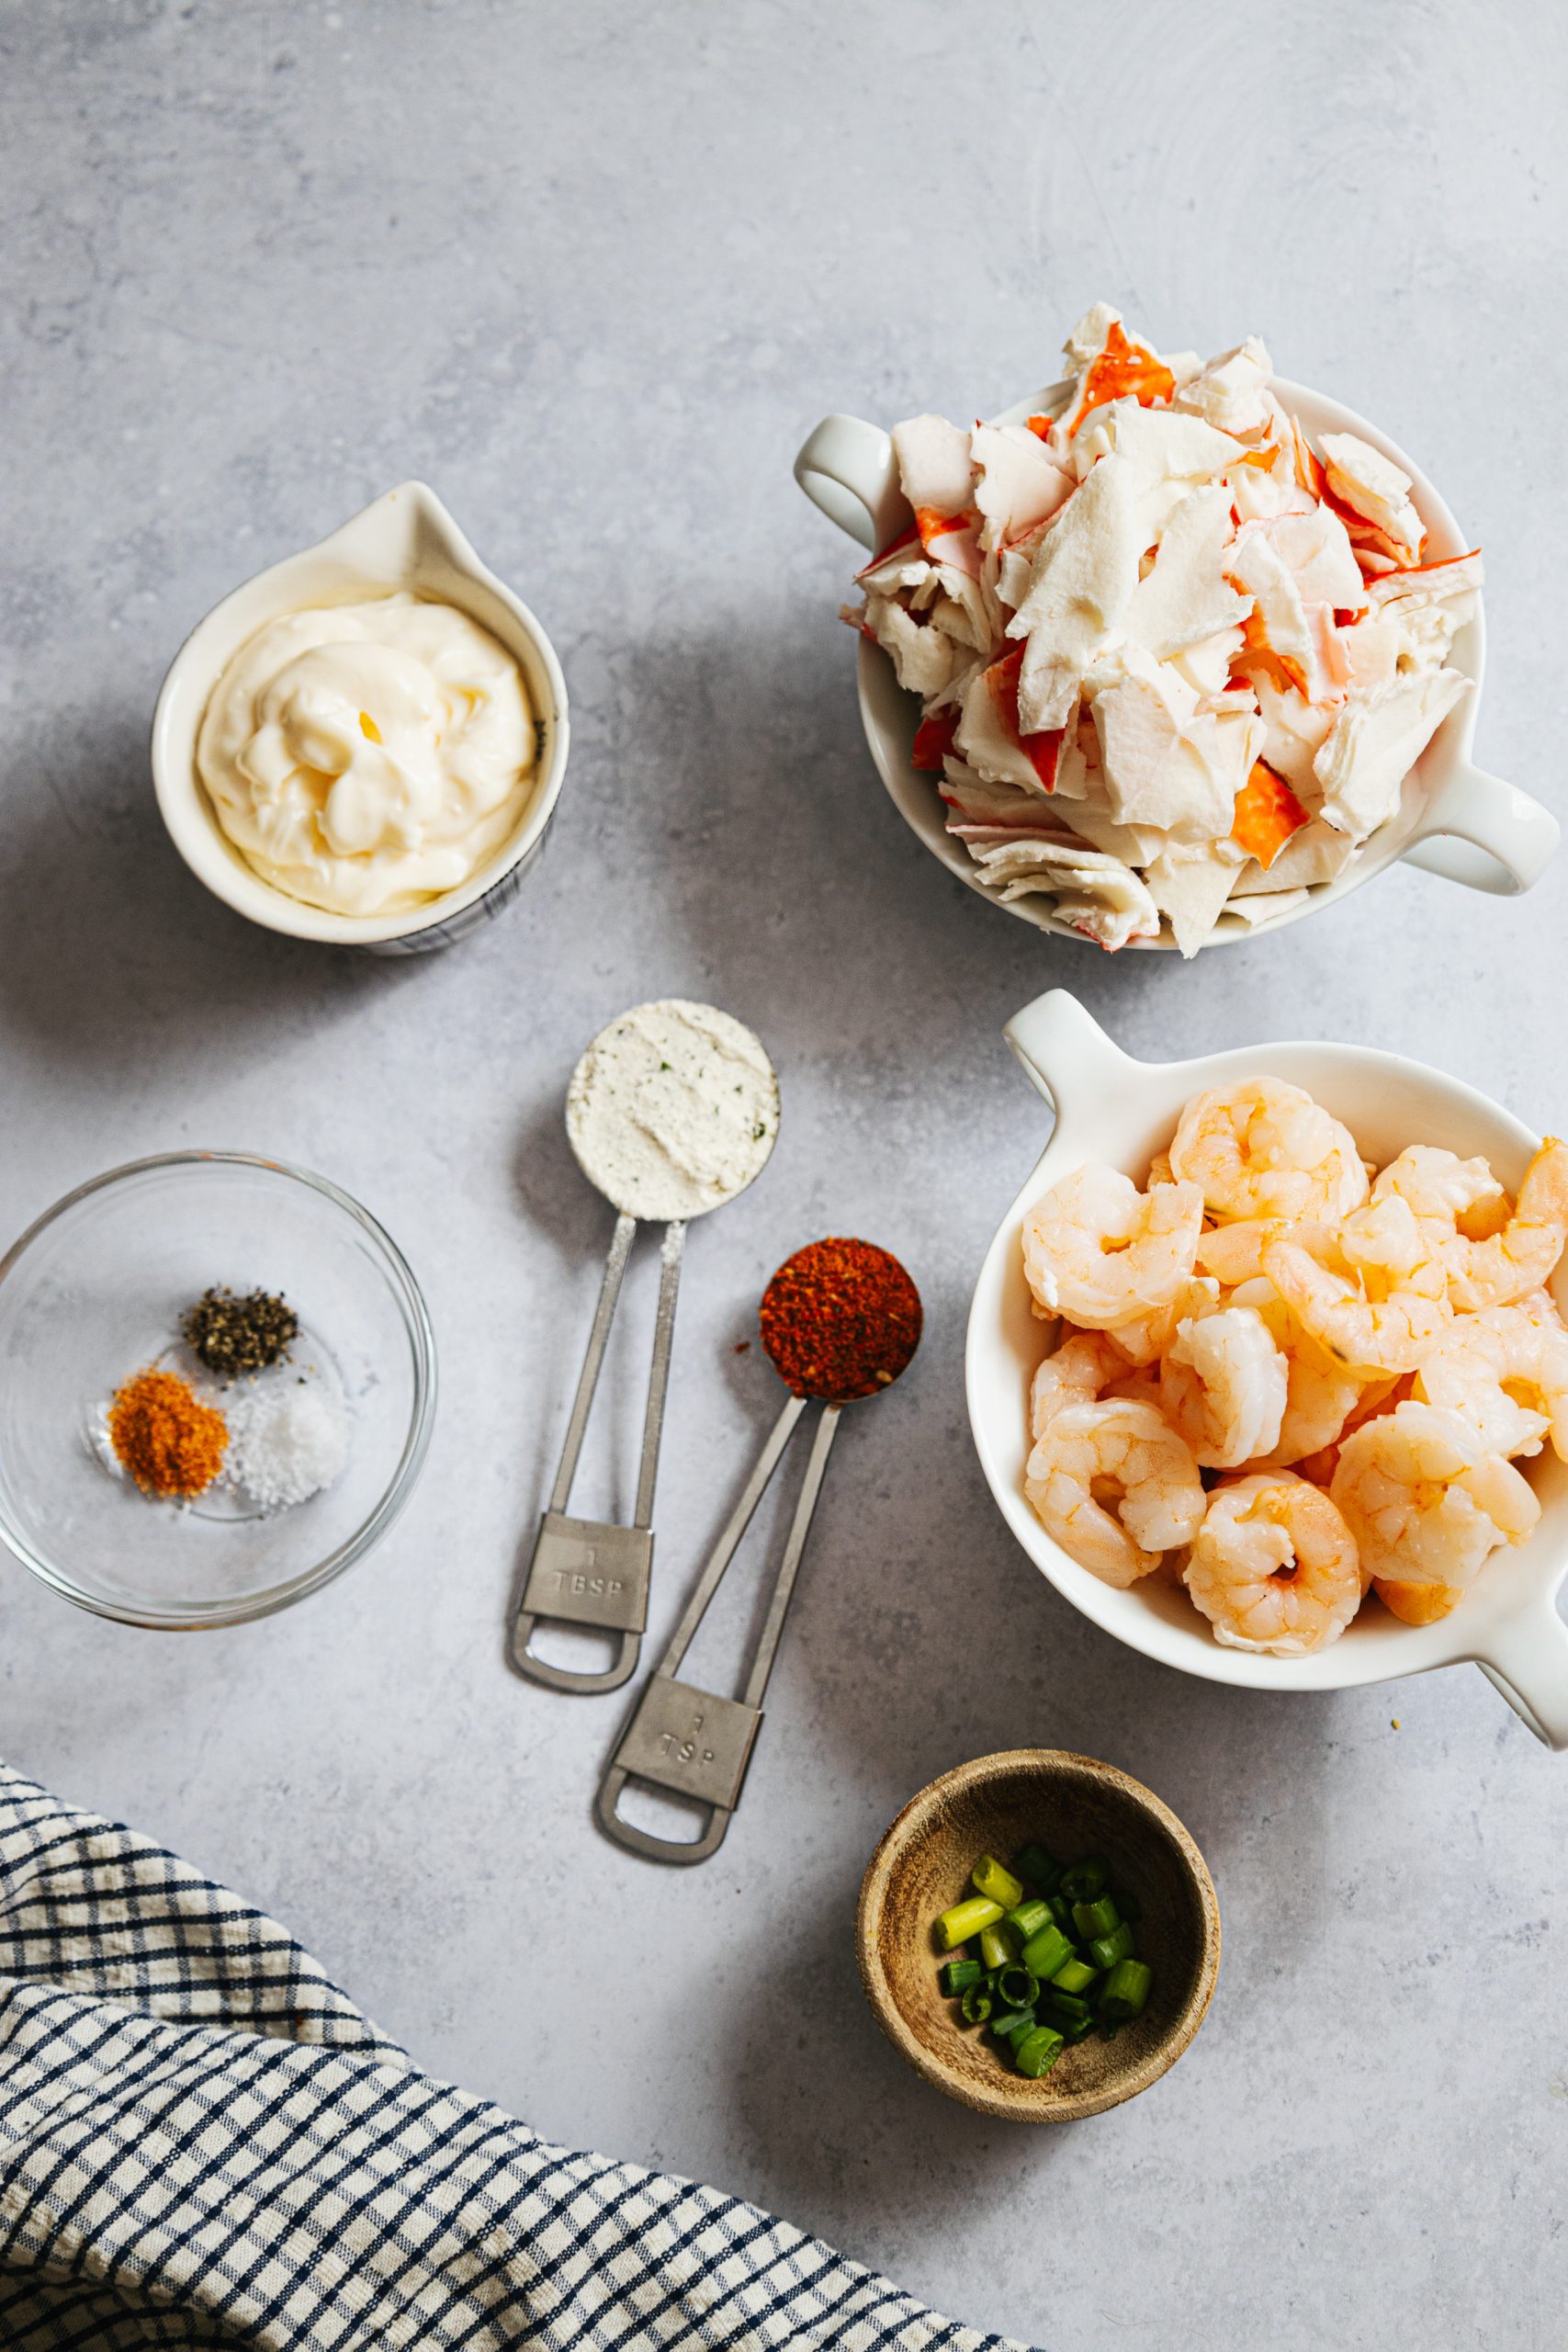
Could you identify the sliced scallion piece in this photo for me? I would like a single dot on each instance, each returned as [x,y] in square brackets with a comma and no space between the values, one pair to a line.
[989,1878]
[955,1976]
[1038,2052]
[967,1919]
[1126,1990]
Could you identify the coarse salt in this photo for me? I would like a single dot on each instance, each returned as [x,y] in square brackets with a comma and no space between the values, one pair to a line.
[286,1443]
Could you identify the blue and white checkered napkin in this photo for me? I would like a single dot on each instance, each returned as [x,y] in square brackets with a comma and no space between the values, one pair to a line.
[202,2141]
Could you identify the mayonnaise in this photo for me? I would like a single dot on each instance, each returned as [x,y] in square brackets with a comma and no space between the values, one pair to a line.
[366,758]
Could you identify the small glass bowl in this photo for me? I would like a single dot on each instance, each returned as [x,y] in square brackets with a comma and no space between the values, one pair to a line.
[94,1291]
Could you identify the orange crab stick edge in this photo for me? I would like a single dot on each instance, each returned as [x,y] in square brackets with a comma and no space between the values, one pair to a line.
[1267,814]
[1120,371]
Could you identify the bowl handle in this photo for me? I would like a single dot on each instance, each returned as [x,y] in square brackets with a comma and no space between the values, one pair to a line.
[1527,1660]
[1483,832]
[1065,1052]
[845,467]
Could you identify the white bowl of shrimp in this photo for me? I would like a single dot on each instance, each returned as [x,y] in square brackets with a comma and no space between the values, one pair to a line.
[1421,1453]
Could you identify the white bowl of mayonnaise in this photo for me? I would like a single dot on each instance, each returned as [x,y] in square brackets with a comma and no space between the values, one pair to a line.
[365,744]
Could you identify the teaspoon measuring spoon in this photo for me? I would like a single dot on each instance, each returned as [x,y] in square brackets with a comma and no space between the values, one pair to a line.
[672,1112]
[867,1310]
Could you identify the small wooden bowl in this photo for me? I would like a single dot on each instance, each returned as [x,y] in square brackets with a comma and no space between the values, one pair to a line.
[1073,1808]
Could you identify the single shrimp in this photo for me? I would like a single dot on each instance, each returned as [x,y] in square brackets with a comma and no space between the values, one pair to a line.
[1507,1371]
[1275,1567]
[1098,1252]
[1370,1293]
[1224,1386]
[1320,1394]
[1427,1498]
[1260,1148]
[1451,1191]
[1115,1487]
[1075,1374]
[1521,1257]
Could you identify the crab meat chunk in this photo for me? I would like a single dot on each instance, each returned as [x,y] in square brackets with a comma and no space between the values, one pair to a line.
[1233,390]
[1019,484]
[1099,895]
[1373,745]
[1314,854]
[1186,597]
[1374,487]
[1190,886]
[934,465]
[923,658]
[1079,588]
[1315,549]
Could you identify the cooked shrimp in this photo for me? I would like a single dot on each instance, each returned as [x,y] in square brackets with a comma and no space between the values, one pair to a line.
[1371,1292]
[1086,1362]
[1507,1371]
[1145,1337]
[1225,1384]
[1427,1498]
[1320,1394]
[1159,1172]
[1234,1253]
[1440,1185]
[1522,1256]
[1417,1604]
[1262,1148]
[1098,1250]
[1116,1486]
[1275,1567]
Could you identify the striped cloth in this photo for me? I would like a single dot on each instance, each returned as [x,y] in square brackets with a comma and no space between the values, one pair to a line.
[202,2141]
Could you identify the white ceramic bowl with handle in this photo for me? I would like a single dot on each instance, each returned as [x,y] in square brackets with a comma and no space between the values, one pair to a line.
[1112,1108]
[1452,819]
[405,540]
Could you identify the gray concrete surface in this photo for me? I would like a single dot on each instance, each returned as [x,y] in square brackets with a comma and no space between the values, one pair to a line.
[593,272]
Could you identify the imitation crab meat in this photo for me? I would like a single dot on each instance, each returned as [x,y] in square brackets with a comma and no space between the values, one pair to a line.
[1174,658]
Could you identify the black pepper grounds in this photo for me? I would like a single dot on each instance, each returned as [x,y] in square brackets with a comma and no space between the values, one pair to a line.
[234,1335]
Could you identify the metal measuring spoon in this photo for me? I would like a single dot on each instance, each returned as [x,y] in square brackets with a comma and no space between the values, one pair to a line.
[672,1112]
[840,1321]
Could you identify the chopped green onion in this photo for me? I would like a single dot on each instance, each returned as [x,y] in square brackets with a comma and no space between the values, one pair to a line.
[1126,1990]
[955,1976]
[988,1878]
[1074,1975]
[967,1919]
[997,1945]
[1017,1985]
[1070,2028]
[1028,1918]
[1106,1951]
[1045,1952]
[976,2005]
[1035,1865]
[1095,1918]
[1062,1912]
[1069,2005]
[1005,2023]
[1085,1880]
[1038,2052]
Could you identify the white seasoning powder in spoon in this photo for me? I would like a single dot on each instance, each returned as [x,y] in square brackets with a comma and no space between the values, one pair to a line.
[673,1109]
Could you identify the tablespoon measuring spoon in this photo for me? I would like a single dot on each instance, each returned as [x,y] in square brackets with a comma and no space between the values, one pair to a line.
[840,1321]
[672,1112]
